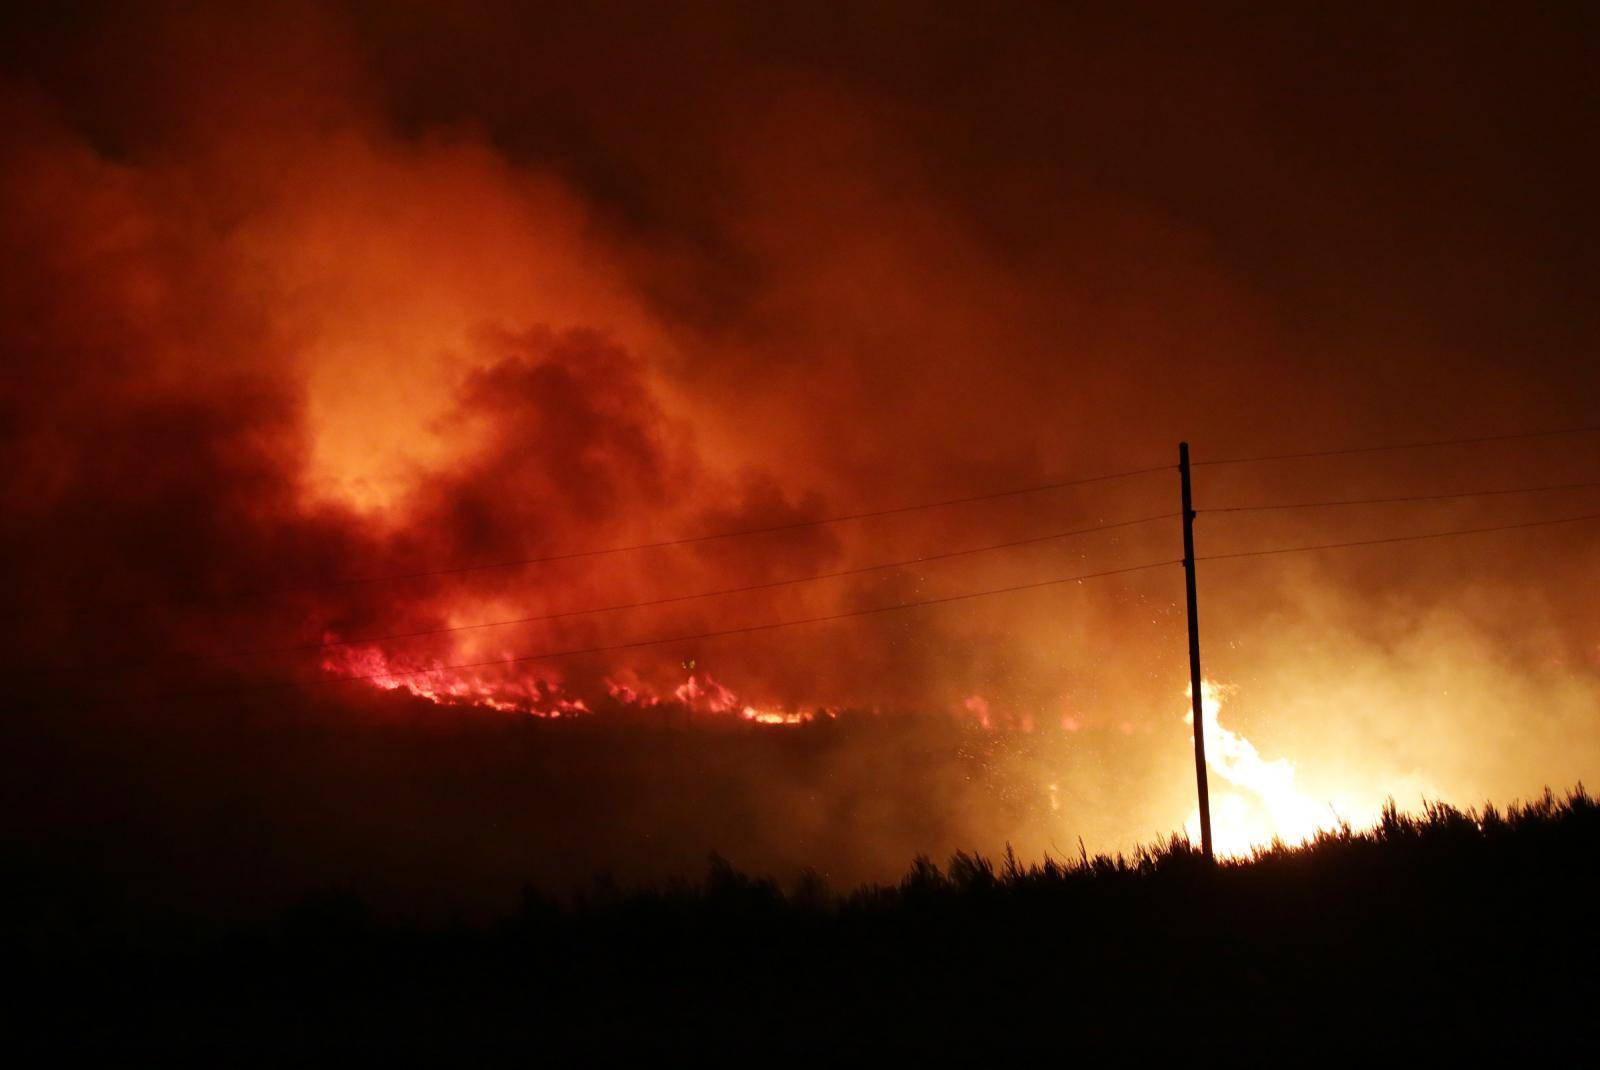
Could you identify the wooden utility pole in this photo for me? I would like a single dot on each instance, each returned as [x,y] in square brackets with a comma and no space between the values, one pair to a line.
[1194,653]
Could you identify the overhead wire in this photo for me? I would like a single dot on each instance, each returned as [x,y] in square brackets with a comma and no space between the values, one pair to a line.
[1398,538]
[907,562]
[688,540]
[1426,444]
[213,599]
[318,681]
[678,598]
[1398,498]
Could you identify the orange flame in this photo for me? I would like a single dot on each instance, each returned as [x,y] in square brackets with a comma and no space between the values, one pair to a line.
[1268,806]
[537,696]
[541,696]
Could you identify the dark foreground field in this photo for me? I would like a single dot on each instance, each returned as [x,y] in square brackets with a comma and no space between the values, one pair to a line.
[1446,934]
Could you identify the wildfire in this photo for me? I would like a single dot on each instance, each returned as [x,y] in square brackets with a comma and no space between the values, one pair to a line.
[703,691]
[534,695]
[1267,807]
[751,713]
[543,696]
[985,716]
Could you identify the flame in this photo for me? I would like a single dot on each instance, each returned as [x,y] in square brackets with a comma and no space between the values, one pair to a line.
[538,696]
[1267,807]
[990,719]
[759,716]
[696,692]
[631,694]
[545,696]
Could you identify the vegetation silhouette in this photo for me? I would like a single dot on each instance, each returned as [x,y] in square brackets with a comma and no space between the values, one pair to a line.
[1445,932]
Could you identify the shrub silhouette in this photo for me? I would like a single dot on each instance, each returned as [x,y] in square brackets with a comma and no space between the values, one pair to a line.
[1449,932]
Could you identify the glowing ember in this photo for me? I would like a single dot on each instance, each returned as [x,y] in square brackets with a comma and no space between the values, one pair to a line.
[702,692]
[631,694]
[534,695]
[1268,807]
[544,696]
[750,713]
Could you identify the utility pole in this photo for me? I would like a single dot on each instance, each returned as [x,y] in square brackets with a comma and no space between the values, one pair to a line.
[1194,653]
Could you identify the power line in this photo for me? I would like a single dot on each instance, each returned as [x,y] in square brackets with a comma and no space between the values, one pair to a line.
[1400,538]
[748,629]
[579,554]
[671,599]
[662,641]
[1404,446]
[573,555]
[861,570]
[1404,498]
